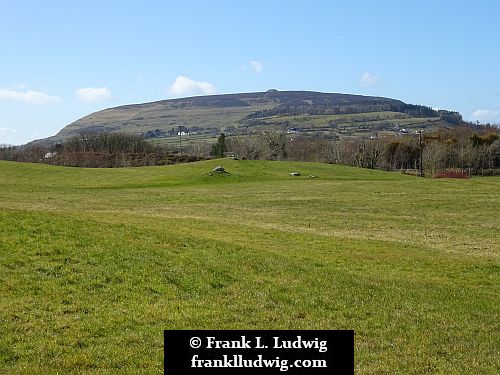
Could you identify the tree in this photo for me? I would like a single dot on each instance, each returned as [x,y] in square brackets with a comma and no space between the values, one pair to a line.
[219,148]
[276,143]
[434,158]
[495,154]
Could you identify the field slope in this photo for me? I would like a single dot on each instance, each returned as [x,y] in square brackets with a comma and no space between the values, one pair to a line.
[96,263]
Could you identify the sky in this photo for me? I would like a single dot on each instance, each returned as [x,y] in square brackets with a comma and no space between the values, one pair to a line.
[62,60]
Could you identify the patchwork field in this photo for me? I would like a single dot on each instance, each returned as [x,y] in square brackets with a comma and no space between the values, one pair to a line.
[96,263]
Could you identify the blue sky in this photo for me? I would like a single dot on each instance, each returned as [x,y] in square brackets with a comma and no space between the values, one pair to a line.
[61,60]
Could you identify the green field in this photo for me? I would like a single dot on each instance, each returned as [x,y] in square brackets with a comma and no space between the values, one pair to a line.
[96,263]
[349,126]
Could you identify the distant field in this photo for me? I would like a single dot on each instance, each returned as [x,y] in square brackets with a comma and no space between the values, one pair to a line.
[318,120]
[362,125]
[96,263]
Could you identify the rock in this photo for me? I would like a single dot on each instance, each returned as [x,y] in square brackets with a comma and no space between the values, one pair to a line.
[219,169]
[294,174]
[312,176]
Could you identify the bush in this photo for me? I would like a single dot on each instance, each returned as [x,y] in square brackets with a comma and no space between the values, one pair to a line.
[453,173]
[490,172]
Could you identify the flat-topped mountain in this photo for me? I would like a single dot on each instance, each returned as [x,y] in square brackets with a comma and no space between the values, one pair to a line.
[246,113]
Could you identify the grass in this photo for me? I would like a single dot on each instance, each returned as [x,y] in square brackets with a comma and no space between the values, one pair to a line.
[96,263]
[322,120]
[368,120]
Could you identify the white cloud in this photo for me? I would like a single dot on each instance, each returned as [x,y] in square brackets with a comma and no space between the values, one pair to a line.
[184,86]
[34,97]
[6,136]
[368,79]
[256,66]
[486,116]
[93,94]
[13,137]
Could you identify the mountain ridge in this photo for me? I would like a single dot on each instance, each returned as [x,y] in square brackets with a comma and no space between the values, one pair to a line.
[239,113]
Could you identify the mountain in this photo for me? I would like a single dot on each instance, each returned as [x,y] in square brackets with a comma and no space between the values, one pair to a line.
[306,112]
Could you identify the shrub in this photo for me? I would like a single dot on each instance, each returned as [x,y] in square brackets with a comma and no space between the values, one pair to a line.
[490,172]
[452,173]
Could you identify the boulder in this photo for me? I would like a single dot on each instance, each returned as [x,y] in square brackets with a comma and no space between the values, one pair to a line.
[219,169]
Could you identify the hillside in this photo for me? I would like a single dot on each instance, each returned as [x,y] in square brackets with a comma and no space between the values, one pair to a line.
[308,113]
[96,263]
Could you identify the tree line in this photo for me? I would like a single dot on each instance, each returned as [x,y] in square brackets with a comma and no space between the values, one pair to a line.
[101,150]
[469,149]
[412,110]
[472,150]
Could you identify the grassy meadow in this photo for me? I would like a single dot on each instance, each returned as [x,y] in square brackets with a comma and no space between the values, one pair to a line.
[96,263]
